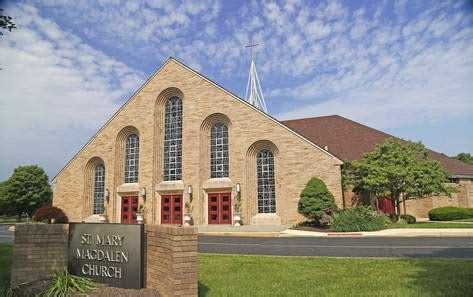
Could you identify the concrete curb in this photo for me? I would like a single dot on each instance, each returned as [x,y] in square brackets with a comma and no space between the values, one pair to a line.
[384,233]
[241,234]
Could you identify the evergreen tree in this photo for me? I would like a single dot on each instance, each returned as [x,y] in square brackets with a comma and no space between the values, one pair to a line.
[316,200]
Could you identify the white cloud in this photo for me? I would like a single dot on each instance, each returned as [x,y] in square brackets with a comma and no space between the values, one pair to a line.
[385,78]
[370,62]
[51,83]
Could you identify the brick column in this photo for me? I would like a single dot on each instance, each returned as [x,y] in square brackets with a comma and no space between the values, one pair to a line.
[39,251]
[171,260]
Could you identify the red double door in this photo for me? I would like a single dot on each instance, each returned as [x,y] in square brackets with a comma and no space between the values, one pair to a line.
[171,209]
[129,209]
[220,208]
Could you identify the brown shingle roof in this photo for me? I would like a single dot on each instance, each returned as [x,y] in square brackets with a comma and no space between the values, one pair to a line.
[349,140]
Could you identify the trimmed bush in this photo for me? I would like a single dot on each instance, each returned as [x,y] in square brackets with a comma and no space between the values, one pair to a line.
[408,218]
[49,213]
[317,202]
[360,218]
[450,213]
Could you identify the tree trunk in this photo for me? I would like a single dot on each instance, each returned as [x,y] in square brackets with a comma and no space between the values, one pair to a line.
[398,211]
[18,218]
[398,206]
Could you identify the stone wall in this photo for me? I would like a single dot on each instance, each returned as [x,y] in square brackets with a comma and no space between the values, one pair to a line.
[171,260]
[38,252]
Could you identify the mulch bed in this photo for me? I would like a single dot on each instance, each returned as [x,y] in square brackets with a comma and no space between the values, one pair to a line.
[37,287]
[312,228]
[118,292]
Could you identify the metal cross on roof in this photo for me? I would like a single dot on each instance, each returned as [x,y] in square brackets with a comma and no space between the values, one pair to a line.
[254,94]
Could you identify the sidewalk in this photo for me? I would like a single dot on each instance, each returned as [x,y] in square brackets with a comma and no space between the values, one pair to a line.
[384,233]
[244,231]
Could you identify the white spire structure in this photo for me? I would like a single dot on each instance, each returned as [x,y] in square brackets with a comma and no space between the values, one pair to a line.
[254,94]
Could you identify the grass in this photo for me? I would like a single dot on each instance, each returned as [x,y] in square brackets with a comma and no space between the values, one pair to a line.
[430,225]
[312,276]
[228,275]
[5,265]
[464,220]
[8,220]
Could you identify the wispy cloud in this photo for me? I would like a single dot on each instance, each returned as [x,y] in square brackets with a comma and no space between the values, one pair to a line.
[53,85]
[389,64]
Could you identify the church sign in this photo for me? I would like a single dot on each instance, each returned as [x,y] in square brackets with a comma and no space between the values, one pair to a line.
[107,253]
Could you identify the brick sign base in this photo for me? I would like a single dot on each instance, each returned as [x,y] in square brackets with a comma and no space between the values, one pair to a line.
[40,250]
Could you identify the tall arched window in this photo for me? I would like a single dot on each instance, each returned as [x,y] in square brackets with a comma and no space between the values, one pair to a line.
[219,150]
[99,189]
[173,139]
[266,183]
[132,151]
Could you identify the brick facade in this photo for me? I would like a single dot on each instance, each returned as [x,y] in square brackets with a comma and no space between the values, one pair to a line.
[296,161]
[171,260]
[38,252]
[462,198]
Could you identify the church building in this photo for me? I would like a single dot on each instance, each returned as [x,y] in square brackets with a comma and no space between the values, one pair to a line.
[183,145]
[184,149]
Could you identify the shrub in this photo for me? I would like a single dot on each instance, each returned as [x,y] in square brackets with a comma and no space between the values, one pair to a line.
[317,202]
[360,218]
[63,284]
[450,213]
[408,218]
[402,222]
[387,220]
[49,213]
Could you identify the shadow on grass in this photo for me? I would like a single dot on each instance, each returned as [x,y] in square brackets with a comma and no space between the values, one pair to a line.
[444,277]
[203,289]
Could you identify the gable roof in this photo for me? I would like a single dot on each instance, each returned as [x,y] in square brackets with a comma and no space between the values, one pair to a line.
[349,140]
[151,77]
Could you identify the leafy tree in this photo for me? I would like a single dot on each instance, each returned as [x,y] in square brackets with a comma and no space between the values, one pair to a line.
[316,200]
[3,204]
[26,190]
[401,170]
[465,157]
[6,22]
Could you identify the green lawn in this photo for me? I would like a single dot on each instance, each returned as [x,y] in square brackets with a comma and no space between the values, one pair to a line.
[313,276]
[5,264]
[221,275]
[441,225]
[464,220]
[8,220]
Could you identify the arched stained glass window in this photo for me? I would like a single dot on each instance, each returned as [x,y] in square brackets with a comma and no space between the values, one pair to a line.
[173,139]
[266,182]
[132,152]
[219,150]
[99,189]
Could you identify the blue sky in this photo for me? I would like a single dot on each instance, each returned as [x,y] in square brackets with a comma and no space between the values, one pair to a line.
[404,67]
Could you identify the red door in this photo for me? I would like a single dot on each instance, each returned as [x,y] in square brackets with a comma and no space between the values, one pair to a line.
[386,205]
[220,208]
[171,209]
[129,208]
